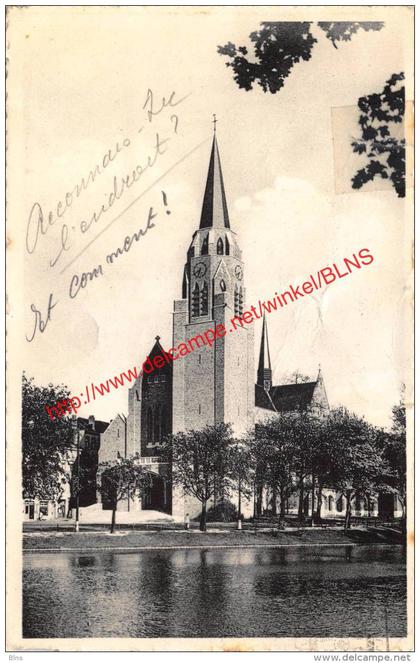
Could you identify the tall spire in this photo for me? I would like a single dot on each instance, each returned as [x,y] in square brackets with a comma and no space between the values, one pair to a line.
[264,375]
[214,213]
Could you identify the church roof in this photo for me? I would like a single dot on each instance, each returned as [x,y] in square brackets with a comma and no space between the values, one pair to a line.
[99,426]
[264,363]
[286,397]
[214,213]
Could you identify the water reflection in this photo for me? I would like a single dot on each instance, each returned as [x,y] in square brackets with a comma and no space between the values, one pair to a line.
[323,592]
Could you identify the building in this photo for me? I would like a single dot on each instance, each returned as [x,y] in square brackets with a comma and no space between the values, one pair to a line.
[86,438]
[210,384]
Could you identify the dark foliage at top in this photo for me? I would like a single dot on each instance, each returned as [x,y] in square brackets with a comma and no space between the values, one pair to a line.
[344,30]
[385,153]
[45,443]
[277,47]
[280,45]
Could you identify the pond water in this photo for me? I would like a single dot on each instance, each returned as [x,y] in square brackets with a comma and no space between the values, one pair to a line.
[296,592]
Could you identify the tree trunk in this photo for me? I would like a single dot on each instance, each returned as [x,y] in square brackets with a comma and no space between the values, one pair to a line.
[114,511]
[301,516]
[274,500]
[259,499]
[203,517]
[313,499]
[282,504]
[347,520]
[319,502]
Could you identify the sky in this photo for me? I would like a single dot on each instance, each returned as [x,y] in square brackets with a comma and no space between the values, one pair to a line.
[82,80]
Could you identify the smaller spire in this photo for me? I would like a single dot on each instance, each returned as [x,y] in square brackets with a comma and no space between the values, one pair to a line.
[157,338]
[214,122]
[319,371]
[265,375]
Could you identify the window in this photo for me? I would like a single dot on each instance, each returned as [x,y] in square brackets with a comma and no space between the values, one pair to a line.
[220,247]
[149,425]
[199,359]
[196,300]
[156,431]
[227,250]
[156,378]
[163,378]
[238,301]
[204,299]
[199,408]
[118,432]
[149,380]
[330,503]
[205,246]
[339,505]
[222,286]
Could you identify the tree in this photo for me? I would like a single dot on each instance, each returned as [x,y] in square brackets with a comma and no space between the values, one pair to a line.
[121,479]
[46,443]
[275,457]
[296,378]
[200,463]
[241,472]
[385,153]
[278,46]
[357,466]
[393,446]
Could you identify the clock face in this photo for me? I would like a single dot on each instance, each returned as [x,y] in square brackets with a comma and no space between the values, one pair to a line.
[199,270]
[238,272]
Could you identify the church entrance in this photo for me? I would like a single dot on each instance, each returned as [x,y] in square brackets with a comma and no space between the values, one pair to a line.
[156,496]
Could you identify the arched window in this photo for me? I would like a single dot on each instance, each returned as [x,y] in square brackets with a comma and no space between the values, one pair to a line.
[222,286]
[227,249]
[205,246]
[196,300]
[204,299]
[330,503]
[339,505]
[149,425]
[220,247]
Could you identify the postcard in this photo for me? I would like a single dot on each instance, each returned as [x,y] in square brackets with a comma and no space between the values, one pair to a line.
[210,328]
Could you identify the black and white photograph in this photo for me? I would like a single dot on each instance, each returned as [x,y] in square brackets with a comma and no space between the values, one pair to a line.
[209,433]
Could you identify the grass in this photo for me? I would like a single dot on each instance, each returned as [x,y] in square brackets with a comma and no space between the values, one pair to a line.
[88,540]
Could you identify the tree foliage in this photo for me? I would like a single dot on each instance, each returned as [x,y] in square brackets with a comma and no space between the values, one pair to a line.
[344,30]
[200,463]
[385,153]
[278,46]
[357,466]
[46,443]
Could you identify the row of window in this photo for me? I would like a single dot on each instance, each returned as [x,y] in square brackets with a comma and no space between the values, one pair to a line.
[339,505]
[200,300]
[156,424]
[222,247]
[156,378]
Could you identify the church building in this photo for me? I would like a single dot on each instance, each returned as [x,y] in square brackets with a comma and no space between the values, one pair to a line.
[212,384]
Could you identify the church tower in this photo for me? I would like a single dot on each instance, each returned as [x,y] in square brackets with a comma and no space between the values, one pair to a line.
[213,385]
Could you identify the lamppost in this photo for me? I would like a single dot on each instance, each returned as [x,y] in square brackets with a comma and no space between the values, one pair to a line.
[76,428]
[240,458]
